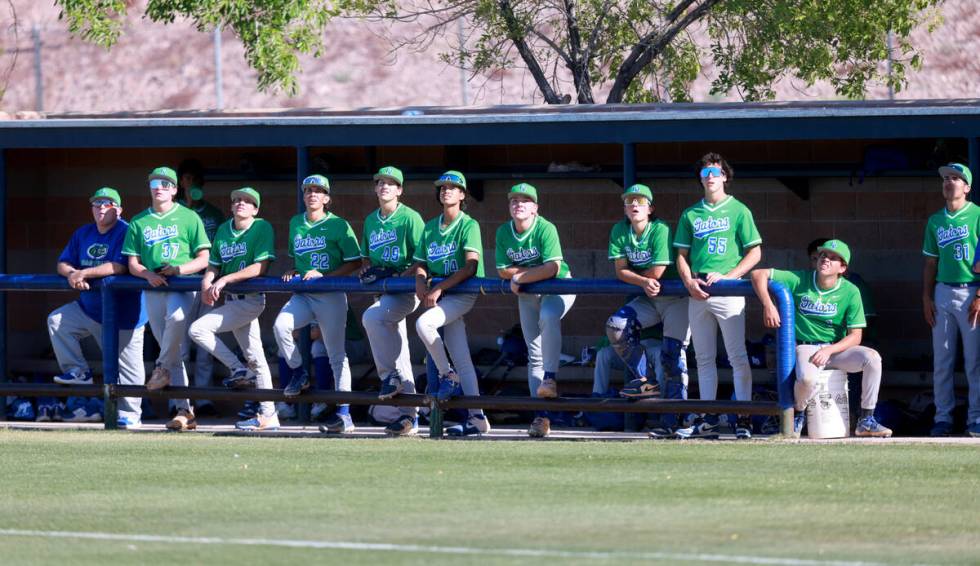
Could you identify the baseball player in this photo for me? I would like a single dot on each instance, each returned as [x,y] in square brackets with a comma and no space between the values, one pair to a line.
[717,239]
[391,233]
[166,240]
[528,250]
[242,249]
[95,251]
[640,248]
[321,244]
[190,191]
[949,285]
[450,247]
[829,324]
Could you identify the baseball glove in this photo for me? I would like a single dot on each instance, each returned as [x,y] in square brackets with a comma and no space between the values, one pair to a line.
[376,273]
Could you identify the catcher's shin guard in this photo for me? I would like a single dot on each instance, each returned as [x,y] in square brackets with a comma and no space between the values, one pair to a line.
[672,358]
[623,331]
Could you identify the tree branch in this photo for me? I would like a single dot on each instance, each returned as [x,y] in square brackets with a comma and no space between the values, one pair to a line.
[651,45]
[516,35]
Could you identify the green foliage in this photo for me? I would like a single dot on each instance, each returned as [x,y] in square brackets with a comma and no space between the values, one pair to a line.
[636,50]
[273,32]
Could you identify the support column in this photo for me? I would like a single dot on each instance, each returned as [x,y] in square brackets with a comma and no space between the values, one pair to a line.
[974,164]
[629,164]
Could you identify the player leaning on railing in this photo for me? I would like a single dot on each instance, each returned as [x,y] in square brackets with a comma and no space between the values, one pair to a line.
[94,252]
[829,322]
[391,233]
[321,244]
[528,250]
[243,248]
[451,247]
[166,240]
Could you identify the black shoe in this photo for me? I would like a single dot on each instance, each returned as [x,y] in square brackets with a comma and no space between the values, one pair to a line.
[299,382]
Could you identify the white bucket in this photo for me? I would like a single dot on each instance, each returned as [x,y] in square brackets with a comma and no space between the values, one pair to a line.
[827,414]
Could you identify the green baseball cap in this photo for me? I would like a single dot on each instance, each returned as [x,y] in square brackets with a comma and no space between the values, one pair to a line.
[197,193]
[389,172]
[837,247]
[639,190]
[249,193]
[454,178]
[317,181]
[524,189]
[107,192]
[958,170]
[165,173]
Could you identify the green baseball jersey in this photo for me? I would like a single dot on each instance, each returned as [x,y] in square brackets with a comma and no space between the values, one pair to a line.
[444,249]
[235,250]
[211,216]
[716,236]
[642,252]
[952,238]
[323,245]
[173,237]
[391,241]
[822,315]
[538,245]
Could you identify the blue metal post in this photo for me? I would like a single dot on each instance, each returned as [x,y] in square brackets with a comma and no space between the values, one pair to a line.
[785,354]
[629,164]
[110,350]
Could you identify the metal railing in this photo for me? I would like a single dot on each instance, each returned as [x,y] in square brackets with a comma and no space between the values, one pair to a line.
[111,390]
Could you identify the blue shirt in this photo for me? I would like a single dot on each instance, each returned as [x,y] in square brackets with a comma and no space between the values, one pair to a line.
[88,248]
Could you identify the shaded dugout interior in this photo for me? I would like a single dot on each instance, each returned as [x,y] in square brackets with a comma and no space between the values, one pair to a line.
[862,172]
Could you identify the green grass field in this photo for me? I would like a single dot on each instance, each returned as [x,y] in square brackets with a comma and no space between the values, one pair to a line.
[492,502]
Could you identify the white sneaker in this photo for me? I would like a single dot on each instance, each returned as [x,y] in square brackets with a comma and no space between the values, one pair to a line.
[475,425]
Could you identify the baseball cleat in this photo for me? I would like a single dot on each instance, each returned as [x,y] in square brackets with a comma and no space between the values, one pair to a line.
[640,388]
[391,385]
[743,428]
[475,425]
[548,389]
[159,379]
[799,421]
[74,378]
[299,383]
[259,422]
[241,378]
[700,428]
[449,386]
[183,421]
[540,427]
[868,426]
[128,423]
[974,430]
[342,424]
[404,426]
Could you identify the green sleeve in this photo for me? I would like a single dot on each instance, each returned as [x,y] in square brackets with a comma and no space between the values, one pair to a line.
[199,238]
[615,243]
[348,244]
[131,245]
[854,318]
[364,239]
[414,236]
[789,278]
[265,247]
[472,240]
[929,245]
[683,238]
[214,258]
[550,244]
[661,244]
[500,254]
[419,254]
[290,250]
[748,233]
